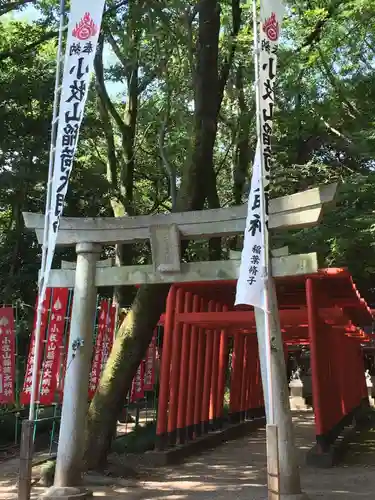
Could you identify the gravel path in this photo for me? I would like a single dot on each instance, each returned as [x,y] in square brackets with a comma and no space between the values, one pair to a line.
[234,471]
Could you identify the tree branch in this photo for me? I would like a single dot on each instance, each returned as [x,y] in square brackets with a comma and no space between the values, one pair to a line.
[47,36]
[19,51]
[189,16]
[101,88]
[335,131]
[315,35]
[116,49]
[192,13]
[111,148]
[170,170]
[353,112]
[9,6]
[236,26]
[115,8]
[150,77]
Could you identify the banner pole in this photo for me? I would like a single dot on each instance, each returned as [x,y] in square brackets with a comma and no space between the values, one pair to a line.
[26,452]
[255,284]
[273,466]
[42,285]
[266,260]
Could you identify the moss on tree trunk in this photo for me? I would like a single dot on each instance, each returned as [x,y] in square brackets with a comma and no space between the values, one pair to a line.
[132,340]
[137,329]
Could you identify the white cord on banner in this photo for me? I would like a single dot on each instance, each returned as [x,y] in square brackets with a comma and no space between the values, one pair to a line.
[42,285]
[266,262]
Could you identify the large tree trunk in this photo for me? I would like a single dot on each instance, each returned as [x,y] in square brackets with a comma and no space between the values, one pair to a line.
[242,156]
[136,332]
[132,340]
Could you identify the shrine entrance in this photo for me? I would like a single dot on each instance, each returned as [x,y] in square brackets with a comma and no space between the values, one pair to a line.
[210,371]
[165,232]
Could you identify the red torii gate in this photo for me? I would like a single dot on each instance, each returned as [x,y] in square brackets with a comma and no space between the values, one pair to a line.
[321,310]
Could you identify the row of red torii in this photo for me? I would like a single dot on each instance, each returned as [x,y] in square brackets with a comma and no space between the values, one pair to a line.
[200,320]
[320,310]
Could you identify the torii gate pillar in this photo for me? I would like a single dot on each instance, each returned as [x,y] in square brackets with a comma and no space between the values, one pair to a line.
[164,232]
[71,439]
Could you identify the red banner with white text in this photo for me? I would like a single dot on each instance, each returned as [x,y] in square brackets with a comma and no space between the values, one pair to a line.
[26,391]
[52,356]
[149,377]
[137,390]
[64,351]
[7,355]
[63,362]
[96,365]
[109,334]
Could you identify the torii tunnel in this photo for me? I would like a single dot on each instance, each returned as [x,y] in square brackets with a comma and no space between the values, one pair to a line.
[210,368]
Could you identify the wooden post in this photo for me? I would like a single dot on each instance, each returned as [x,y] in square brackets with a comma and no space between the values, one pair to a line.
[273,468]
[199,378]
[215,375]
[317,386]
[184,374]
[223,363]
[258,384]
[233,378]
[175,371]
[250,371]
[161,425]
[193,363]
[334,339]
[245,370]
[236,377]
[290,484]
[26,456]
[208,367]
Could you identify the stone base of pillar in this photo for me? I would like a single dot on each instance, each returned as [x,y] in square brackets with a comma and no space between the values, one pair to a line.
[369,392]
[66,493]
[296,399]
[297,403]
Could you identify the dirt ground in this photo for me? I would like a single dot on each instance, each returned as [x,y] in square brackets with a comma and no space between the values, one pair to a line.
[235,470]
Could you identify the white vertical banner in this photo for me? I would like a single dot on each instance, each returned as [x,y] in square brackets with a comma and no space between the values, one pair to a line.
[83,32]
[254,258]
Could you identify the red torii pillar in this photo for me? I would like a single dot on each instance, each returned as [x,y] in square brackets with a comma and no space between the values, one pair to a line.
[315,352]
[199,378]
[175,369]
[236,376]
[184,374]
[162,418]
[215,375]
[255,403]
[223,363]
[337,374]
[205,414]
[193,363]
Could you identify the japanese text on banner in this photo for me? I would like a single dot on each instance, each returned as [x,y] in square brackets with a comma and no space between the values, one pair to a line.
[26,391]
[83,32]
[52,356]
[96,366]
[137,390]
[108,335]
[254,261]
[149,375]
[63,362]
[7,355]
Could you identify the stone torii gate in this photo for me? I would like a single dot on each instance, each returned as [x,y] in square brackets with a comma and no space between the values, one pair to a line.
[165,232]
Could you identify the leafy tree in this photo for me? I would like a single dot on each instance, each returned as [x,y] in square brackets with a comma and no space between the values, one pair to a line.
[172,103]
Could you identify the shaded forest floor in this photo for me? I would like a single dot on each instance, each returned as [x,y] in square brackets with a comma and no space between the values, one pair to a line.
[235,469]
[362,449]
